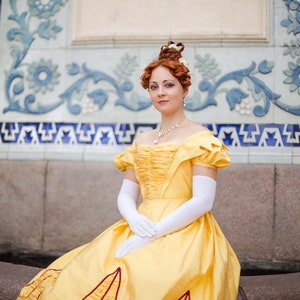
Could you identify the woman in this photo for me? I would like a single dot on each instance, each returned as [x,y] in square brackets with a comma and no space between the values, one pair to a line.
[170,247]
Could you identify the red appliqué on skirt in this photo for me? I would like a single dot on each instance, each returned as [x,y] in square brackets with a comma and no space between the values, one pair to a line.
[108,288]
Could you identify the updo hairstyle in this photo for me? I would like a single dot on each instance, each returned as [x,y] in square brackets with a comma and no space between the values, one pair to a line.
[169,57]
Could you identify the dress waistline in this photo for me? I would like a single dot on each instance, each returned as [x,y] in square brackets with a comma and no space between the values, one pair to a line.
[155,209]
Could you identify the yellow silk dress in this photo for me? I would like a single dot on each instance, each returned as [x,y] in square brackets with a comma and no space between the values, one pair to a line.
[195,262]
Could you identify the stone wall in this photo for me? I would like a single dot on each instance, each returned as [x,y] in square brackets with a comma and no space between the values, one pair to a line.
[50,207]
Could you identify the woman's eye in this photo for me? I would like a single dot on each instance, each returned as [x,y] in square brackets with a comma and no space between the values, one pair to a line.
[170,84]
[153,87]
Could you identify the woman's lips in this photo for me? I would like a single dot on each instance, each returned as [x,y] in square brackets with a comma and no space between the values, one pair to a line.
[162,101]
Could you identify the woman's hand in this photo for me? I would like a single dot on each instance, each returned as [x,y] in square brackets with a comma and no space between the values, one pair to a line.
[133,243]
[142,226]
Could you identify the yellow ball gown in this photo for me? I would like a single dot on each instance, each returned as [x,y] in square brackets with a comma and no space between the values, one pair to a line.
[195,262]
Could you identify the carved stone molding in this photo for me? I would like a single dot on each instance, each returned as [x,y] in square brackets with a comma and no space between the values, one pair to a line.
[99,21]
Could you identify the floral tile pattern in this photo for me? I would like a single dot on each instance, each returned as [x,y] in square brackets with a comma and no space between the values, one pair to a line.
[38,86]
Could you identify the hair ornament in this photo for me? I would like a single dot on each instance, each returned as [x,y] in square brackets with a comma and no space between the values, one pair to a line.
[173,51]
[183,61]
[173,46]
[170,57]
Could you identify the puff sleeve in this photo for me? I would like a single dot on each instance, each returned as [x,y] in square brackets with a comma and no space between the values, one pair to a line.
[214,154]
[125,160]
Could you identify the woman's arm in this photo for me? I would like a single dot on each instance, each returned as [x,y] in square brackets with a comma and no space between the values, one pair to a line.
[127,205]
[204,188]
[203,195]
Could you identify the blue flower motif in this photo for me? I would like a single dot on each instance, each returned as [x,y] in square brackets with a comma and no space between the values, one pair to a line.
[43,76]
[235,96]
[48,30]
[207,67]
[292,49]
[293,76]
[293,4]
[44,9]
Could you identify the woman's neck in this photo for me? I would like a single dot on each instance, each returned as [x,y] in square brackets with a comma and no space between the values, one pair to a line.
[169,121]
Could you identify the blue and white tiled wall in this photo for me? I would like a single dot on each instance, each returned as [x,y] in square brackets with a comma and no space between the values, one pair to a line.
[84,102]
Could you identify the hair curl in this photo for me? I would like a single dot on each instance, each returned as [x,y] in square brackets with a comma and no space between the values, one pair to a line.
[169,57]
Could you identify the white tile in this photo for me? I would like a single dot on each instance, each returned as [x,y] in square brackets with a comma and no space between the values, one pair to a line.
[239,154]
[270,156]
[18,152]
[64,153]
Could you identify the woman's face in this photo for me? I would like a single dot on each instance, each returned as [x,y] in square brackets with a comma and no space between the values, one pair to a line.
[166,91]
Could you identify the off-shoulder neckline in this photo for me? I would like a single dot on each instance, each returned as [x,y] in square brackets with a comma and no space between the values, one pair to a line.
[202,132]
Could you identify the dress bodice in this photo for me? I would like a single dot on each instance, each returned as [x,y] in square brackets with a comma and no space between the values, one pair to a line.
[152,169]
[165,170]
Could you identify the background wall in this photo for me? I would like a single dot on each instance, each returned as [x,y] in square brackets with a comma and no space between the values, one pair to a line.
[70,100]
[83,101]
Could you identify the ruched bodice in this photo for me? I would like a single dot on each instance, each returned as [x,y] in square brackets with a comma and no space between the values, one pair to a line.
[165,170]
[152,165]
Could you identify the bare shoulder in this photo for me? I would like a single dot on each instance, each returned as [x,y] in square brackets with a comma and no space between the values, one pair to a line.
[189,129]
[145,137]
[194,127]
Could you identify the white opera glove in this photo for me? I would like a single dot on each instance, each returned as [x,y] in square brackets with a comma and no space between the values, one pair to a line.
[204,190]
[133,243]
[127,205]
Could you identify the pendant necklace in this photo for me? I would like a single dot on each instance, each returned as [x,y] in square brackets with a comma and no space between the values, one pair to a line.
[161,134]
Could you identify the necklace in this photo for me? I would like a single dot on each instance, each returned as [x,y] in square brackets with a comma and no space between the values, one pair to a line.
[161,134]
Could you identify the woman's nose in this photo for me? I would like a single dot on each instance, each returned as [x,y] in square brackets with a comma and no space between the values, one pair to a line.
[161,91]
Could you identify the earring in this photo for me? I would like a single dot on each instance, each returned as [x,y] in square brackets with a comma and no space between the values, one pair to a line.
[184,103]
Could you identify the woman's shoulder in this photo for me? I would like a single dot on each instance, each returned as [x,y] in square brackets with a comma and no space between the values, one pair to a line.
[201,136]
[145,137]
[191,130]
[195,128]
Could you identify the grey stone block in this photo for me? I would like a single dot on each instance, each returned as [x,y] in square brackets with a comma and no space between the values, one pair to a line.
[244,209]
[80,202]
[271,287]
[287,216]
[21,198]
[13,278]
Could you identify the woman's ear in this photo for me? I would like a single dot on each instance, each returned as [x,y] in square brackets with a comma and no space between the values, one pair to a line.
[185,93]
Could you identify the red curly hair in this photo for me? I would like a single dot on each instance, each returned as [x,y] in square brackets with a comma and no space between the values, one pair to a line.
[169,57]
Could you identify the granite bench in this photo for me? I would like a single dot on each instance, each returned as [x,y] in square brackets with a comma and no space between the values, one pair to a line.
[280,287]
